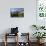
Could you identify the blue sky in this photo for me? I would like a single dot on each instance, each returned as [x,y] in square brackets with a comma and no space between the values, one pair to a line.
[16,9]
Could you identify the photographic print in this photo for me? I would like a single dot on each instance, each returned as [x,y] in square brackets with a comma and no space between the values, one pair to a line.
[17,12]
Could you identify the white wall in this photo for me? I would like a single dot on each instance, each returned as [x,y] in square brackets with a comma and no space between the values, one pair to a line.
[24,24]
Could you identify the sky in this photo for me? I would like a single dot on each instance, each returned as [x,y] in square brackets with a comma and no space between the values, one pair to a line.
[16,9]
